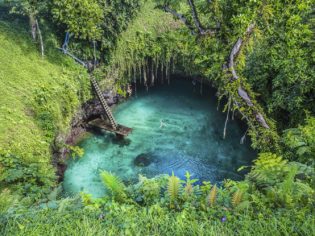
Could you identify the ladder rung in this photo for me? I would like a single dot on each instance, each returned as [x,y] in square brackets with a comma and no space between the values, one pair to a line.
[104,103]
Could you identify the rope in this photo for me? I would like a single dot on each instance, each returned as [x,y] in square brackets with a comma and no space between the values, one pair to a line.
[76,59]
[64,49]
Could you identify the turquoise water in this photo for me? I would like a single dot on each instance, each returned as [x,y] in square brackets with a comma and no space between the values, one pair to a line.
[175,129]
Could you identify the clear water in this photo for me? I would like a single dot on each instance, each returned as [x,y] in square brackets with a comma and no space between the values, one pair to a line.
[176,128]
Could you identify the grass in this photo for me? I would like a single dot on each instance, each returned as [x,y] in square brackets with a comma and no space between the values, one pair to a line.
[120,219]
[38,98]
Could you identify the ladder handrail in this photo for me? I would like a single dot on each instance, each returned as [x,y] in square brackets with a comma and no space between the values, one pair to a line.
[95,85]
[103,103]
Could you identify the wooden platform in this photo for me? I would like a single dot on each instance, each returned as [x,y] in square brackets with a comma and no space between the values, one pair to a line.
[102,124]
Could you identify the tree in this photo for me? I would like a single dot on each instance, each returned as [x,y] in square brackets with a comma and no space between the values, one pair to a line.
[230,24]
[281,65]
[31,9]
[94,20]
[83,18]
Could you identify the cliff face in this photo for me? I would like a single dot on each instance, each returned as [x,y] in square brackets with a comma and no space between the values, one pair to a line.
[79,126]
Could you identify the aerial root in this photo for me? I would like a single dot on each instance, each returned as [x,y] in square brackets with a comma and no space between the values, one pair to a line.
[227,118]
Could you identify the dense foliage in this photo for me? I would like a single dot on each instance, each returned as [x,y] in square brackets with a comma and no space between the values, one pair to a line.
[283,75]
[258,54]
[100,21]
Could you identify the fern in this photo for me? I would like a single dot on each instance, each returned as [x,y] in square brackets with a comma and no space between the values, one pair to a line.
[237,198]
[173,189]
[269,169]
[86,199]
[114,185]
[212,196]
[53,196]
[287,191]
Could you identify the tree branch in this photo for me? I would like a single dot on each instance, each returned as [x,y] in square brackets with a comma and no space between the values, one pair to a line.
[236,49]
[201,29]
[180,17]
[241,91]
[195,16]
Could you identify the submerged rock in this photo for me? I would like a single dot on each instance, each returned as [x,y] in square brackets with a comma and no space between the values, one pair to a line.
[144,159]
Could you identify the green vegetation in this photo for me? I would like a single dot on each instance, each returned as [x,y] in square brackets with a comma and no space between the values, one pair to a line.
[146,49]
[100,21]
[38,100]
[131,220]
[164,206]
[258,54]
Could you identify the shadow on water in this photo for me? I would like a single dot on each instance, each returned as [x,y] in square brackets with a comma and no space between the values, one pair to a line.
[176,129]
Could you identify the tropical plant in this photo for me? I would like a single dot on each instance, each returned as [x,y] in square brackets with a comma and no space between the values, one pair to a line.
[147,191]
[189,185]
[114,185]
[279,67]
[173,190]
[76,151]
[300,142]
[291,192]
[212,196]
[237,198]
[268,170]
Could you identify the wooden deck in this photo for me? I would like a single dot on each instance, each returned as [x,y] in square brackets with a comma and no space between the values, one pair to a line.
[102,124]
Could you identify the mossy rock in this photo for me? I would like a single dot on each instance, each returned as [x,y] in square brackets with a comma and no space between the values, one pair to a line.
[144,159]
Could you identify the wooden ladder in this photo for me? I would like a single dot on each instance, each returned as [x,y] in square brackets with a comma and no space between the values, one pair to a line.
[104,103]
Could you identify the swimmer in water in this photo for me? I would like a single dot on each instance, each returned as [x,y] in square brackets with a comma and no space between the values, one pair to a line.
[162,124]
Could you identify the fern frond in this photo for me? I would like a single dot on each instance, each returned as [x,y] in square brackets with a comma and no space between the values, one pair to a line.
[113,184]
[86,198]
[173,188]
[212,196]
[237,198]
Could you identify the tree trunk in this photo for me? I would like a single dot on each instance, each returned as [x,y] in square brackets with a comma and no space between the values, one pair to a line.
[32,20]
[40,38]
